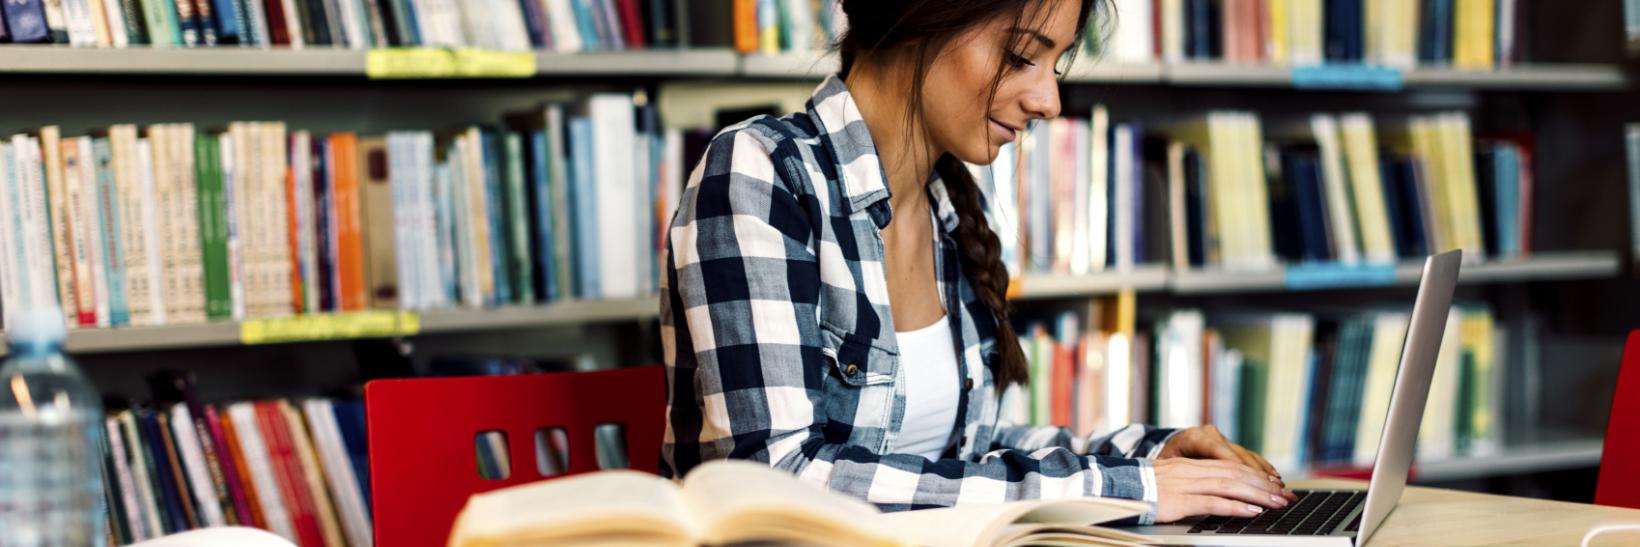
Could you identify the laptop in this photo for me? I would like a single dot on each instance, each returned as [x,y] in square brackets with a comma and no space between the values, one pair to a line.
[1349,517]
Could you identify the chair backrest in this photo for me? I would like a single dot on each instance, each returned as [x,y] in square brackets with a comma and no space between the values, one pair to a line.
[423,464]
[1620,458]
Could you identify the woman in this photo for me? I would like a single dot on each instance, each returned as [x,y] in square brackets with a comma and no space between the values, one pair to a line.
[833,302]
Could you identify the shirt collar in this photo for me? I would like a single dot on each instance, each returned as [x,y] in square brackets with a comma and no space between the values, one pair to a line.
[844,130]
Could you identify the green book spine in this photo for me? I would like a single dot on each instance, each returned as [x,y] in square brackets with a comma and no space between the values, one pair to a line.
[1469,384]
[518,222]
[1254,376]
[136,31]
[213,227]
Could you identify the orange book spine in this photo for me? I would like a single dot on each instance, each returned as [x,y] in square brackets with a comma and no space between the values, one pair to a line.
[746,26]
[349,229]
[1064,383]
[236,457]
[294,224]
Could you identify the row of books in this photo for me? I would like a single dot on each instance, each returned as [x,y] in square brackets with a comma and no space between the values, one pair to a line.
[1464,34]
[168,224]
[1080,195]
[775,26]
[297,468]
[514,25]
[1305,391]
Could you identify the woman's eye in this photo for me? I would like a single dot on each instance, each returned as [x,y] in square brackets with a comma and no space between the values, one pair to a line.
[1019,61]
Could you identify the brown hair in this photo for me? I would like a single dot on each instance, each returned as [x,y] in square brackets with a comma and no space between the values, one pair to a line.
[927,26]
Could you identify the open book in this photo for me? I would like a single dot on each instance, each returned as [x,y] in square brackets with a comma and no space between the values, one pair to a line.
[725,502]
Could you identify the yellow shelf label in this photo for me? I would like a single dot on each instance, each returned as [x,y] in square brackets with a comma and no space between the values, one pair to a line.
[339,326]
[482,63]
[409,63]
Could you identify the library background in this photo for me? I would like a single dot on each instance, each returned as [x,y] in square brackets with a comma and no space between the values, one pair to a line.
[249,208]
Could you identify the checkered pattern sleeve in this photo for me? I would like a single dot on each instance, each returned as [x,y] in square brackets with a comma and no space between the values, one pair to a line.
[1133,441]
[747,374]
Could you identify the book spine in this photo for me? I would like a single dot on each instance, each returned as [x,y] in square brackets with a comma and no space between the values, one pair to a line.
[221,455]
[324,234]
[301,150]
[518,222]
[248,496]
[230,23]
[212,208]
[187,17]
[112,225]
[191,459]
[290,22]
[247,427]
[287,471]
[381,225]
[62,240]
[26,21]
[348,227]
[12,261]
[324,510]
[147,267]
[206,18]
[80,214]
[102,34]
[230,148]
[272,169]
[56,21]
[119,32]
[495,213]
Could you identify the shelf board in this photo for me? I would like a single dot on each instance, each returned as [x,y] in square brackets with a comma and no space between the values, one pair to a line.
[1142,278]
[1517,460]
[1563,77]
[234,61]
[1549,266]
[805,65]
[1091,71]
[1228,75]
[227,333]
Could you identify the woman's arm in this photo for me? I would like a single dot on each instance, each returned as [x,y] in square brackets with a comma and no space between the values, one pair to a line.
[1133,441]
[746,374]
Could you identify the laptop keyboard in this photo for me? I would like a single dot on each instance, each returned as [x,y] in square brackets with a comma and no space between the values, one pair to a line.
[1315,513]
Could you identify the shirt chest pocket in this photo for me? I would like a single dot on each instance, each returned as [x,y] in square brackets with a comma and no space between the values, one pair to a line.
[859,384]
[855,361]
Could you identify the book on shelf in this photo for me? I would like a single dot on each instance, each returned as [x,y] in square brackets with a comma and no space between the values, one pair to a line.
[564,26]
[297,469]
[1304,390]
[172,224]
[1632,145]
[1465,34]
[736,501]
[1080,196]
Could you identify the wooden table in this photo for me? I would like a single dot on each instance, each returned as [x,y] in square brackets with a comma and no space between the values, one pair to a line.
[1433,516]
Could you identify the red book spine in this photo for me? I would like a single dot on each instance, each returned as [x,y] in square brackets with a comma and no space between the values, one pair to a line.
[278,30]
[1064,383]
[632,23]
[292,485]
[224,461]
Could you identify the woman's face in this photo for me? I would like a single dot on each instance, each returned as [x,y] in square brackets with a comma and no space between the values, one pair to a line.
[954,108]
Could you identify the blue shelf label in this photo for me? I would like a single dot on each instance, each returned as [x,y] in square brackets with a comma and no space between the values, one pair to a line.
[1324,276]
[1347,77]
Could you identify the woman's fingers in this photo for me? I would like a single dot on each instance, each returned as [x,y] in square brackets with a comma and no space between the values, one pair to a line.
[1223,507]
[1227,479]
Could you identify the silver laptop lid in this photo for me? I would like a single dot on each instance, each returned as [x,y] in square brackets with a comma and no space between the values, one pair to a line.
[1406,403]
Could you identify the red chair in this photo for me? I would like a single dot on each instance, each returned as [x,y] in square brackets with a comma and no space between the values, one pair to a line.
[423,464]
[1620,458]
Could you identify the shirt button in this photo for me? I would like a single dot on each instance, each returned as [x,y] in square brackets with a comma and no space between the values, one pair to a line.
[851,370]
[968,384]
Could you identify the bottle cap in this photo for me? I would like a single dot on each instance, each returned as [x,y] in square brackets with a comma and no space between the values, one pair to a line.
[37,326]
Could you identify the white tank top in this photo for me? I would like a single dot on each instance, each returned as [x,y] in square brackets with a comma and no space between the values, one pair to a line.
[928,360]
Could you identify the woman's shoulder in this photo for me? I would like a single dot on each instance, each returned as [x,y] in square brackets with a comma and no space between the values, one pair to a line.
[777,147]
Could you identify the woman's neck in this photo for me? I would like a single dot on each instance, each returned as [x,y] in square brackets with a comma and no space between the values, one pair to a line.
[907,156]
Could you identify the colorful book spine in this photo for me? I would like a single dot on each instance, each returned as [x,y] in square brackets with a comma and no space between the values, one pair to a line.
[111,226]
[349,227]
[213,209]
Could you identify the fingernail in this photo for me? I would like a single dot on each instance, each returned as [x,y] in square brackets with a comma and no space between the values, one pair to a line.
[1279,501]
[1275,479]
[1255,509]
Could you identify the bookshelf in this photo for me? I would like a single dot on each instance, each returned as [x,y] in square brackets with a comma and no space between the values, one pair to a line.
[333,62]
[1513,460]
[1554,266]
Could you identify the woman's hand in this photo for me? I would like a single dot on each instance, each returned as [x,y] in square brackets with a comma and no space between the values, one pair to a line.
[1206,443]
[1187,487]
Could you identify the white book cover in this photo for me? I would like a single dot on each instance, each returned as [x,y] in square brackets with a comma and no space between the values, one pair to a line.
[307,259]
[427,222]
[1179,370]
[293,25]
[116,23]
[78,17]
[149,503]
[1119,379]
[81,218]
[614,139]
[233,194]
[1080,249]
[153,225]
[1098,188]
[352,24]
[338,472]
[11,257]
[404,241]
[643,202]
[566,35]
[122,140]
[128,504]
[191,263]
[206,503]
[509,20]
[1132,42]
[97,248]
[1340,214]
[38,281]
[261,469]
[1125,205]
[801,15]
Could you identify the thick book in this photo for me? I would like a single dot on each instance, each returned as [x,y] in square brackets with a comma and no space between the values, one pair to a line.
[381,222]
[735,501]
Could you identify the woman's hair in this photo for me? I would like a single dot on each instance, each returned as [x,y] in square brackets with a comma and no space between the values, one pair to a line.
[919,30]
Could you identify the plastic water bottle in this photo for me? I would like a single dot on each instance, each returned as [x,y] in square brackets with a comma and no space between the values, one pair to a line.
[51,441]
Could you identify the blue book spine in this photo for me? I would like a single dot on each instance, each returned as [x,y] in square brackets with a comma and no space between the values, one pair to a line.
[325,239]
[1508,196]
[496,206]
[585,215]
[5,30]
[540,182]
[533,23]
[26,19]
[444,210]
[589,27]
[1137,131]
[1195,208]
[1394,205]
[1311,210]
[154,441]
[350,422]
[230,21]
[102,153]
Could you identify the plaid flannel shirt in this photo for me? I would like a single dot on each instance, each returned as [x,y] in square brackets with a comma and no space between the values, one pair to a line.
[780,347]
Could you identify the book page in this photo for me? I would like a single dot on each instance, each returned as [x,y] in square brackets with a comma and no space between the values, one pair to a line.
[736,501]
[619,506]
[987,524]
